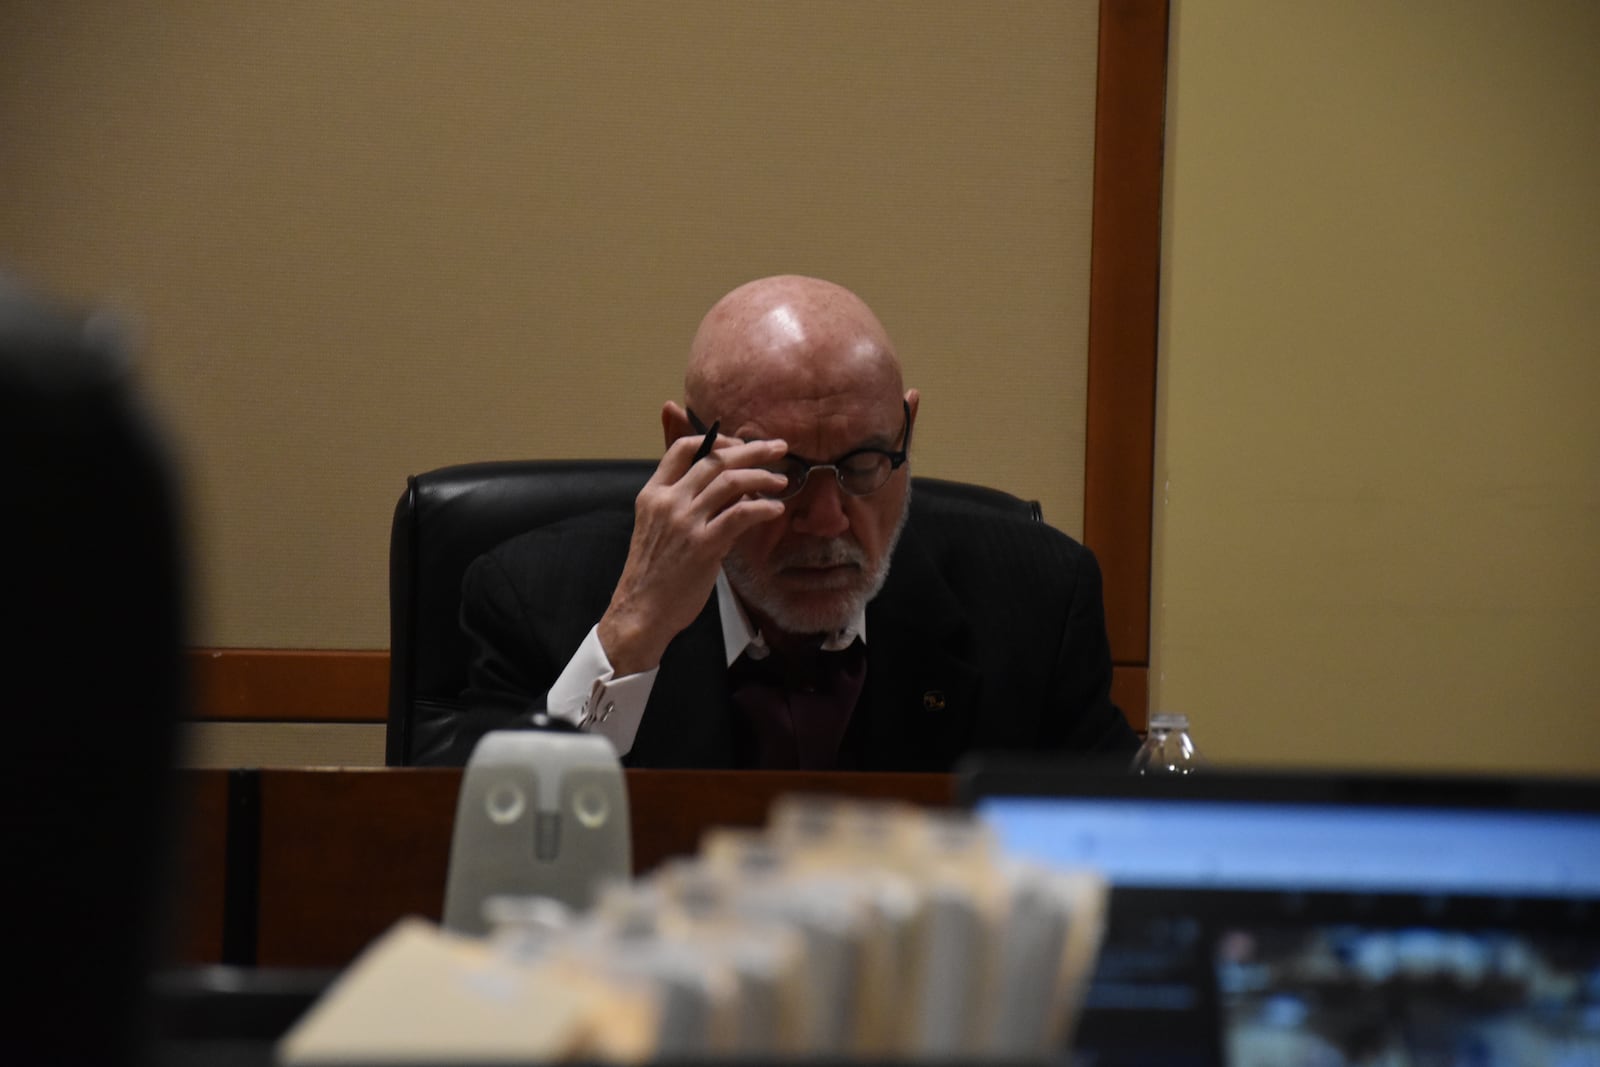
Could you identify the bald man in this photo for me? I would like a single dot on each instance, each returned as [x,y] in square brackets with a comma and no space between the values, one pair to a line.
[749,615]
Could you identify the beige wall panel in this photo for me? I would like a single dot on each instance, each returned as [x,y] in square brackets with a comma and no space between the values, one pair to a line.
[366,239]
[281,744]
[1378,485]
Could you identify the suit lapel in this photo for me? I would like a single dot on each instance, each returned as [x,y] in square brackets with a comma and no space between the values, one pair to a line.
[919,705]
[688,721]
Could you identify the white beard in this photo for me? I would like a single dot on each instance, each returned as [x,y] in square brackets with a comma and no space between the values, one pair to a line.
[759,591]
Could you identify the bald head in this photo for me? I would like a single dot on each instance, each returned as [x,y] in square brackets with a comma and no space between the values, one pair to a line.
[789,340]
[804,362]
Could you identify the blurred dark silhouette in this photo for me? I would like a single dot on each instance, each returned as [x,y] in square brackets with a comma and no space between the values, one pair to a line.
[92,607]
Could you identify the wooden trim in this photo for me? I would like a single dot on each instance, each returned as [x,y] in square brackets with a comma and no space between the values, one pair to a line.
[289,685]
[1124,274]
[199,900]
[1130,690]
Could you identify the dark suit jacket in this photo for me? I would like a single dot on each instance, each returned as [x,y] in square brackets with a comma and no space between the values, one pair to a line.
[989,634]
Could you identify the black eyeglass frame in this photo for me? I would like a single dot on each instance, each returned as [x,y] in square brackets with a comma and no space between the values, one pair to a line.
[896,459]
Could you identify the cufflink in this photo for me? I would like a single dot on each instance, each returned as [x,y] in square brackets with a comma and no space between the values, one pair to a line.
[597,693]
[933,700]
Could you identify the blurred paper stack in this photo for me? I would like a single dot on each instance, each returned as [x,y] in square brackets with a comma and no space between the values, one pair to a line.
[843,931]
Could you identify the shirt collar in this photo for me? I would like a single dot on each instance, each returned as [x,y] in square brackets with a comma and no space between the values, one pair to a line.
[740,636]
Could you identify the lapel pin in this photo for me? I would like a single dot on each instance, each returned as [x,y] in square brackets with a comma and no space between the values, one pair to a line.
[933,700]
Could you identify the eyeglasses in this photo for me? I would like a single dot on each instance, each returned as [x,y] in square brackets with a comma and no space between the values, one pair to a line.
[859,471]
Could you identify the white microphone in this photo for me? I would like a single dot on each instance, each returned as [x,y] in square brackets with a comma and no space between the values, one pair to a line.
[541,813]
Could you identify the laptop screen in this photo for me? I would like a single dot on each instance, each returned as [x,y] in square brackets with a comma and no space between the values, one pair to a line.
[1325,918]
[1254,845]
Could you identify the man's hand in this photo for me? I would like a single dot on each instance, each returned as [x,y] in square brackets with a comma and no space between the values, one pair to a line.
[686,518]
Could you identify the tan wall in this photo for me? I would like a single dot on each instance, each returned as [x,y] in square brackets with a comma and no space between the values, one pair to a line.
[281,744]
[366,239]
[1378,485]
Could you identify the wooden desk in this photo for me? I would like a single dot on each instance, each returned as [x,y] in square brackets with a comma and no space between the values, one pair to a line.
[303,868]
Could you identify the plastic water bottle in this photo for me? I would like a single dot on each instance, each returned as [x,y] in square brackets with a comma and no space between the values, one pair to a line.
[1167,748]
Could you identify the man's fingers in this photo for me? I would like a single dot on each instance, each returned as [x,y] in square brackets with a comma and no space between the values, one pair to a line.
[678,458]
[727,475]
[726,526]
[682,463]
[688,523]
[732,485]
[735,455]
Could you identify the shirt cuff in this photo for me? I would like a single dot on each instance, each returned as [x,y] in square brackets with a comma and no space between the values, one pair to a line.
[590,695]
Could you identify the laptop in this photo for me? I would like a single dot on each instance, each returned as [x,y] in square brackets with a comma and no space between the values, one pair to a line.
[1323,918]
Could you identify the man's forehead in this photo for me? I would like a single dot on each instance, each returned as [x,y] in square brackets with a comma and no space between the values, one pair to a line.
[834,426]
[787,352]
[783,313]
[785,341]
[806,382]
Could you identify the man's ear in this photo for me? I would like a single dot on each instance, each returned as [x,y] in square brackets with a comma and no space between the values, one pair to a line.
[674,422]
[912,399]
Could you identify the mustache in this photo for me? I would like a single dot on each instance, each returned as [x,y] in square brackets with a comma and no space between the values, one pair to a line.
[834,552]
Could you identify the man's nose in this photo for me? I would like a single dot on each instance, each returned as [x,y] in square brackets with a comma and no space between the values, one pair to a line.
[819,509]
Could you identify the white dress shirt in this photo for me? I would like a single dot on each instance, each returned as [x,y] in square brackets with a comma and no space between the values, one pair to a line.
[590,695]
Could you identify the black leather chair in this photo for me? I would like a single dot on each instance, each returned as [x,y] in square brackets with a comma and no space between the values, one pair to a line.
[448,517]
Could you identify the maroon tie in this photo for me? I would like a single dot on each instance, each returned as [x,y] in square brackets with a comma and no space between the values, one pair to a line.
[796,720]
